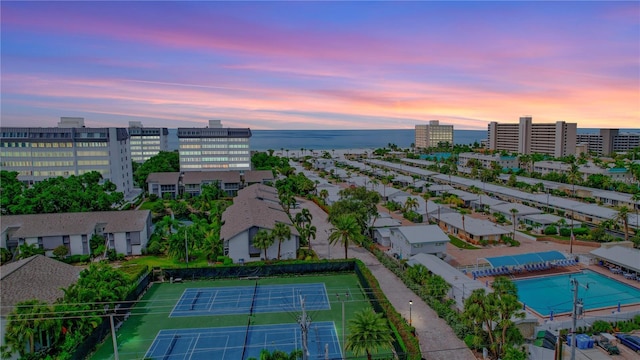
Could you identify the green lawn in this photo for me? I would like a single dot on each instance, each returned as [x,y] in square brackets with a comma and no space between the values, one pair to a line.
[148,205]
[151,314]
[461,244]
[166,262]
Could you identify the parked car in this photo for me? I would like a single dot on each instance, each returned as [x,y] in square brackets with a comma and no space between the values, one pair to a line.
[630,341]
[604,343]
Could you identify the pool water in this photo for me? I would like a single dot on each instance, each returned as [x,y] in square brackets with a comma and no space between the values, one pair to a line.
[553,293]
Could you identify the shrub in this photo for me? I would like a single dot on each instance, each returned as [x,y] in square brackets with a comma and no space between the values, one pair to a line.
[550,230]
[600,326]
[154,248]
[565,232]
[153,197]
[60,251]
[5,255]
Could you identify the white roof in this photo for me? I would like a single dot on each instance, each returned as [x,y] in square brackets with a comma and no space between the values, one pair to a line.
[522,209]
[477,227]
[620,255]
[418,234]
[544,219]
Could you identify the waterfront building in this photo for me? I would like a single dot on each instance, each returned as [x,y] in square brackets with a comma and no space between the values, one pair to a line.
[214,148]
[609,141]
[433,135]
[38,153]
[146,142]
[556,139]
[616,174]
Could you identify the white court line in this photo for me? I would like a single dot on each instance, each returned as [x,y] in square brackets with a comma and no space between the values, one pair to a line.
[154,345]
[191,350]
[213,299]
[178,303]
[226,346]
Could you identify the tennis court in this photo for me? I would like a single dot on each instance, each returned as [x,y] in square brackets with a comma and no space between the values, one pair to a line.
[242,342]
[250,299]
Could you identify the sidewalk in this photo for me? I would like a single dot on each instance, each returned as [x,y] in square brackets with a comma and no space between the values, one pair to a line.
[437,339]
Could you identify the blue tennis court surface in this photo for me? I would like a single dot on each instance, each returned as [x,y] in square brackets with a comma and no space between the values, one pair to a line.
[233,343]
[241,299]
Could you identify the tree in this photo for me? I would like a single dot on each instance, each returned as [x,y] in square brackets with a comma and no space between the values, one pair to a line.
[410,204]
[60,252]
[279,355]
[514,212]
[28,250]
[491,316]
[623,216]
[263,240]
[346,231]
[369,333]
[324,194]
[359,202]
[25,324]
[164,161]
[281,232]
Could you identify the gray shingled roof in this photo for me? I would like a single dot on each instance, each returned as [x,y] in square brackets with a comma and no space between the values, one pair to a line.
[246,213]
[164,178]
[37,277]
[75,223]
[198,177]
[259,191]
[253,176]
[477,227]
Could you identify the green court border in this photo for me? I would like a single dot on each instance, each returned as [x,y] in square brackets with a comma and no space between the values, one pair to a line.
[151,314]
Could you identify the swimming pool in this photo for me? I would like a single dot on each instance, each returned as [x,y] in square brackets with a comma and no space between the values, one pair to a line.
[553,293]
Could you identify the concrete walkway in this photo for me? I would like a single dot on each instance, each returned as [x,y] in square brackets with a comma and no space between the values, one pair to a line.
[437,339]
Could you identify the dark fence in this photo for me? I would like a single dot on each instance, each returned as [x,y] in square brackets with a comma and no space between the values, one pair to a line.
[249,270]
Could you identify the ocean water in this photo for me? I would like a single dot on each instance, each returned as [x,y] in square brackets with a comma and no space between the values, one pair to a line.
[338,139]
[262,140]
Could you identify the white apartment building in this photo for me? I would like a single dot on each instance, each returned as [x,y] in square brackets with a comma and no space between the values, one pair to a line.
[555,139]
[609,141]
[616,174]
[486,160]
[39,153]
[214,148]
[433,135]
[146,142]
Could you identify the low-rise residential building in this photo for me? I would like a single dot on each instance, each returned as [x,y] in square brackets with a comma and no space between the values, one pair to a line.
[521,210]
[37,277]
[407,241]
[616,174]
[163,183]
[248,215]
[125,231]
[229,181]
[540,221]
[380,228]
[471,229]
[486,160]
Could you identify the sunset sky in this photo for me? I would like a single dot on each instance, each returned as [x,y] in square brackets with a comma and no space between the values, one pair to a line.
[320,65]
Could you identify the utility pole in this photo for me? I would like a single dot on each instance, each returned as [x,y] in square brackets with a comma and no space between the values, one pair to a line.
[186,248]
[577,310]
[344,344]
[305,323]
[113,338]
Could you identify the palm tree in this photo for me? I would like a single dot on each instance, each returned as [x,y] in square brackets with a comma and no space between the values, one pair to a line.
[623,215]
[263,240]
[310,232]
[410,204]
[464,212]
[279,355]
[514,211]
[281,232]
[369,333]
[346,230]
[324,194]
[374,183]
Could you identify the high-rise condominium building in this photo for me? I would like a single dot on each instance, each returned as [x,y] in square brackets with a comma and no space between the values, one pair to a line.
[433,135]
[609,141]
[555,139]
[146,142]
[214,148]
[38,153]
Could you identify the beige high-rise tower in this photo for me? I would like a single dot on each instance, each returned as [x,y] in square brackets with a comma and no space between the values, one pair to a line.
[556,139]
[433,135]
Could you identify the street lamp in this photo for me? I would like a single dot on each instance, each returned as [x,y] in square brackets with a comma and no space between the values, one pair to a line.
[410,303]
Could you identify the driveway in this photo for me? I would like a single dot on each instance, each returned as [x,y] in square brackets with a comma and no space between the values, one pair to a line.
[437,339]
